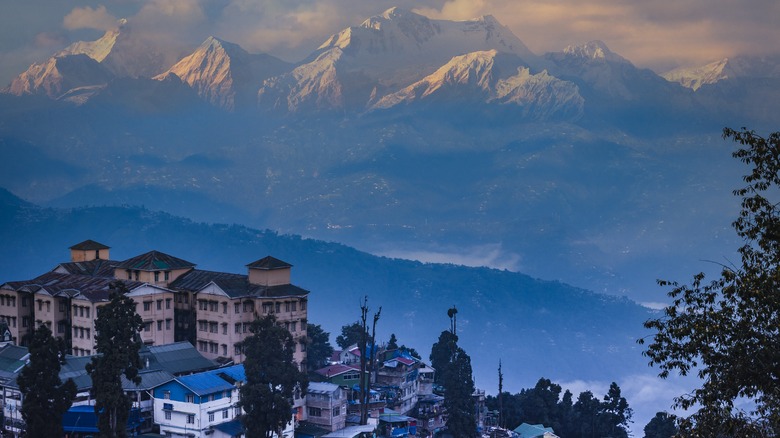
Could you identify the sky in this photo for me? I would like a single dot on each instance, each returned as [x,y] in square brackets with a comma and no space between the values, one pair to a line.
[656,34]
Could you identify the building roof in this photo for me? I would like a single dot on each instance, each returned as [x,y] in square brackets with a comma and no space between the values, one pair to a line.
[234,285]
[205,383]
[177,358]
[12,359]
[526,430]
[269,263]
[149,379]
[154,261]
[92,268]
[94,289]
[322,388]
[231,428]
[89,245]
[335,370]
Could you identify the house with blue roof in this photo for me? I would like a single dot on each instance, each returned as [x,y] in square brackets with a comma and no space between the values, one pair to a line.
[526,430]
[200,405]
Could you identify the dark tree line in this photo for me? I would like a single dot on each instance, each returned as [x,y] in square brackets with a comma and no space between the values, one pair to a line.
[586,417]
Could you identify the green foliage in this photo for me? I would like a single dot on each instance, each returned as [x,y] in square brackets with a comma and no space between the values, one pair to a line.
[458,388]
[318,350]
[726,330]
[441,352]
[351,334]
[585,418]
[393,343]
[117,343]
[46,398]
[272,379]
[661,426]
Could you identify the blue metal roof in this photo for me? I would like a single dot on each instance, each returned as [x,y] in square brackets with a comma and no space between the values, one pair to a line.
[205,383]
[232,428]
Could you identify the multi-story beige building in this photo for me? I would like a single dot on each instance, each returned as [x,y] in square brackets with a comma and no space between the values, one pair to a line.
[212,310]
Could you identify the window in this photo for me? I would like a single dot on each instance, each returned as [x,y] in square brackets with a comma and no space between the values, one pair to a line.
[167,415]
[293,305]
[293,326]
[315,412]
[224,351]
[267,307]
[167,302]
[237,307]
[303,305]
[48,306]
[60,327]
[213,306]
[167,395]
[237,349]
[248,306]
[189,398]
[224,328]
[129,274]
[224,307]
[213,327]
[25,321]
[147,306]
[24,301]
[159,304]
[167,324]
[159,325]
[224,413]
[137,275]
[63,306]
[156,276]
[278,307]
[337,411]
[190,418]
[238,327]
[211,416]
[86,309]
[147,326]
[286,306]
[167,275]
[203,325]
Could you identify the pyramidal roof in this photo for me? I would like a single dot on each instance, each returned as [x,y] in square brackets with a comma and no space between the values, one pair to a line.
[269,263]
[155,261]
[89,245]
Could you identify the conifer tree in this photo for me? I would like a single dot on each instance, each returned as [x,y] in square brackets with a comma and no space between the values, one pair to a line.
[272,379]
[117,343]
[46,398]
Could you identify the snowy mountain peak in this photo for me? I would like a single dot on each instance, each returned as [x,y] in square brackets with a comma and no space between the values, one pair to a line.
[59,74]
[593,50]
[726,68]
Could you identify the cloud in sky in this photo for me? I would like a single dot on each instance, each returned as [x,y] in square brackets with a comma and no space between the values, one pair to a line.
[88,18]
[660,34]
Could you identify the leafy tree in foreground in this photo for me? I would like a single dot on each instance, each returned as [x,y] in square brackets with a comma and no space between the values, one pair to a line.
[272,379]
[726,330]
[458,389]
[318,350]
[350,335]
[441,353]
[46,398]
[661,426]
[117,342]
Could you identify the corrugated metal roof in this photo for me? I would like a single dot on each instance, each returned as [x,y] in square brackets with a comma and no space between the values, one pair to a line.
[177,358]
[92,268]
[234,285]
[155,261]
[205,383]
[322,387]
[269,263]
[88,245]
[231,428]
[149,379]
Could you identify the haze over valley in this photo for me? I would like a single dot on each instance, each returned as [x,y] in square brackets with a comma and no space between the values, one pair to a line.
[551,189]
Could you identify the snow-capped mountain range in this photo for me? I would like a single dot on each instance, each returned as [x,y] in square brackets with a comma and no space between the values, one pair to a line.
[398,60]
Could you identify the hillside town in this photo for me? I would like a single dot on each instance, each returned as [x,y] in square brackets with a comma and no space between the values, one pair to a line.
[194,326]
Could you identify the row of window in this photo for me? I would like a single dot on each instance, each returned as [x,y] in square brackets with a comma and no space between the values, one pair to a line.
[191,417]
[213,348]
[80,311]
[249,306]
[137,275]
[147,325]
[80,332]
[317,412]
[148,304]
[81,352]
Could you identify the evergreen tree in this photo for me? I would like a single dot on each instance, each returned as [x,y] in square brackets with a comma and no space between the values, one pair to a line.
[272,379]
[46,398]
[661,426]
[117,330]
[393,343]
[458,390]
[441,353]
[615,413]
[318,350]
